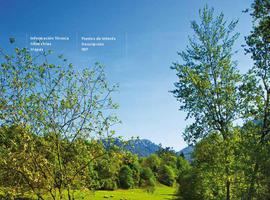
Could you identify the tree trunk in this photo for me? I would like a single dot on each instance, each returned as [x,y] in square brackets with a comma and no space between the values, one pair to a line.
[69,196]
[252,182]
[227,165]
[228,192]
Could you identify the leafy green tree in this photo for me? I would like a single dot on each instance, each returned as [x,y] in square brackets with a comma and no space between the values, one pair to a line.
[136,170]
[190,186]
[166,175]
[153,162]
[60,104]
[147,179]
[168,157]
[126,177]
[208,80]
[107,168]
[208,174]
[20,163]
[250,152]
[182,164]
[256,88]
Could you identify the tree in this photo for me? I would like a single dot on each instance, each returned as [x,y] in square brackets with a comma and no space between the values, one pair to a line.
[166,175]
[256,88]
[251,150]
[63,106]
[182,164]
[147,179]
[136,169]
[106,169]
[168,157]
[190,186]
[126,177]
[208,80]
[153,162]
[20,161]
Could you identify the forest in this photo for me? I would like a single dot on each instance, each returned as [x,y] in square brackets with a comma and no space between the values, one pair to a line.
[56,122]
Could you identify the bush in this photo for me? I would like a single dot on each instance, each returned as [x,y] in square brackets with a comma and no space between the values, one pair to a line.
[153,161]
[147,177]
[166,175]
[109,184]
[190,186]
[182,165]
[126,177]
[136,170]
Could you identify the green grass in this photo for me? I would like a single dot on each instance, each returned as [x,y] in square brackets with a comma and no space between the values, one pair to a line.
[161,192]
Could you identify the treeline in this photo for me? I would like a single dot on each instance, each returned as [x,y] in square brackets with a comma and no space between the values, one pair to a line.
[28,166]
[230,111]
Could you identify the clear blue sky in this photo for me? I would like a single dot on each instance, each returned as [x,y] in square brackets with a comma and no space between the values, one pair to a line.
[149,33]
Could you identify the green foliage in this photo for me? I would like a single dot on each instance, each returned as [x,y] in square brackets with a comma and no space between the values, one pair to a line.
[208,79]
[168,157]
[255,93]
[190,186]
[126,177]
[166,175]
[182,165]
[107,169]
[136,170]
[208,174]
[58,110]
[18,163]
[153,162]
[147,178]
[109,184]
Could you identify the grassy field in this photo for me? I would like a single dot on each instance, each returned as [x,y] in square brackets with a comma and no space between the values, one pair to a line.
[161,192]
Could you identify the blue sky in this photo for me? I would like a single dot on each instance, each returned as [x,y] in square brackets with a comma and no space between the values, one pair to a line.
[149,33]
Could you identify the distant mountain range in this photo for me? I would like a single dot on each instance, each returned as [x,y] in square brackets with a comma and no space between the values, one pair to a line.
[144,147]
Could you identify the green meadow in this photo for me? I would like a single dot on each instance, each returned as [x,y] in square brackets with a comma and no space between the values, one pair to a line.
[161,192]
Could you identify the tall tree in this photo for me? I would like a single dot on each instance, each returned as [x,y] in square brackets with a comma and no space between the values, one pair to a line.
[207,81]
[256,88]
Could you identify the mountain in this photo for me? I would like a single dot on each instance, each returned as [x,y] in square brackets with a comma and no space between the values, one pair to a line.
[144,147]
[141,147]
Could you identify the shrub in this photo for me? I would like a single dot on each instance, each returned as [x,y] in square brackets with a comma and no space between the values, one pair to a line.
[109,184]
[136,170]
[147,177]
[166,175]
[153,161]
[126,177]
[190,186]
